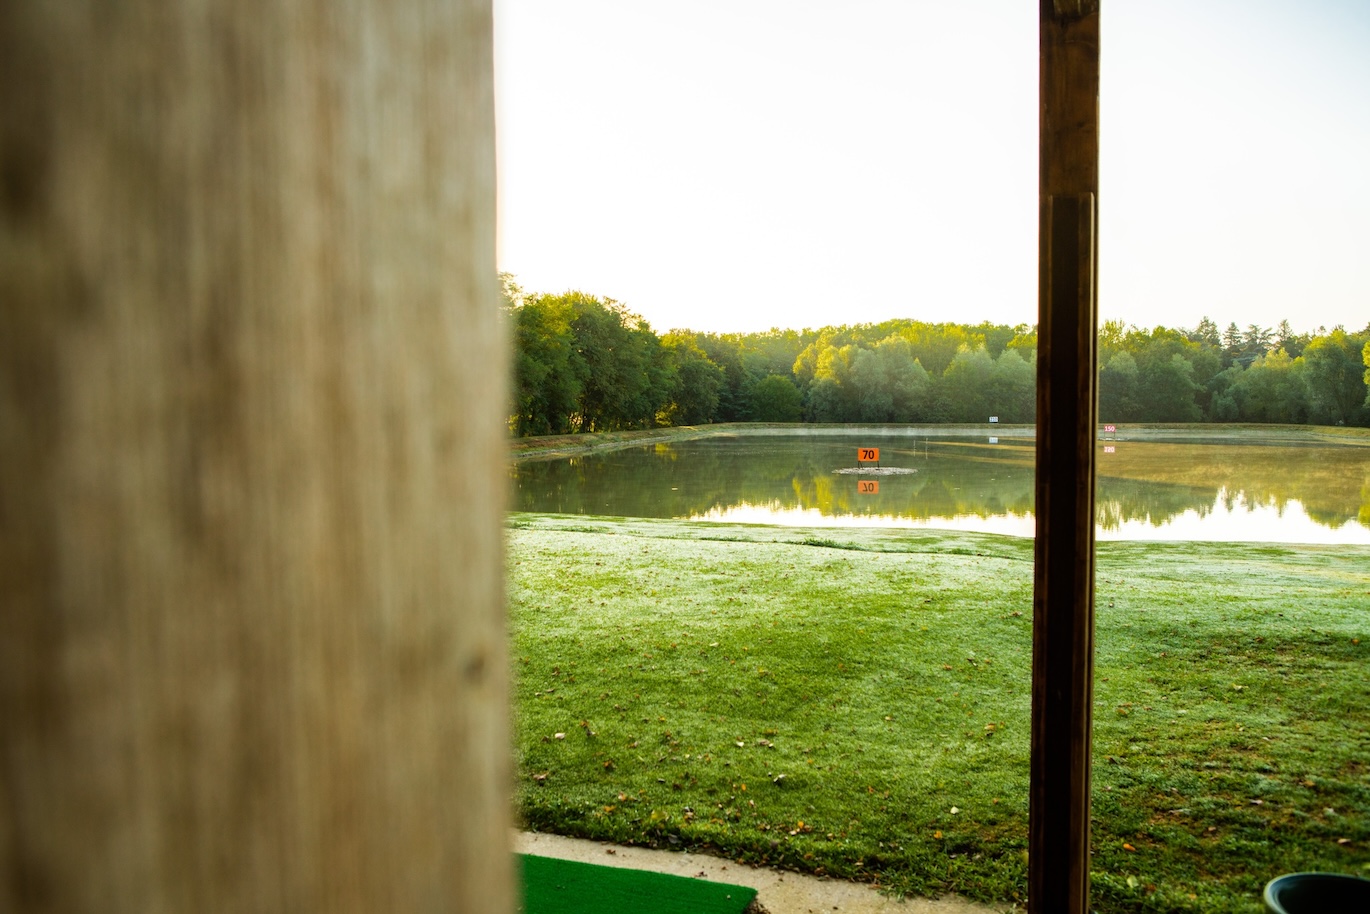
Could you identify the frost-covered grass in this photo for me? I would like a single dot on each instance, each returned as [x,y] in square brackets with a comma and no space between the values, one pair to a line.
[855,702]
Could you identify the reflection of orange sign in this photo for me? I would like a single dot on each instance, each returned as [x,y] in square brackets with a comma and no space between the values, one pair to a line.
[868,486]
[867,454]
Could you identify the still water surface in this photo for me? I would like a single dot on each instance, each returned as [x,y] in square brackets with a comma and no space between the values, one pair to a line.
[1214,490]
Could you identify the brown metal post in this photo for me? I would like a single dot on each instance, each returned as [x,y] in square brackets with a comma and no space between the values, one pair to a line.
[1063,604]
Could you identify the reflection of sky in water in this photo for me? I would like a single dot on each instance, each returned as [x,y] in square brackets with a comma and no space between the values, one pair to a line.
[1242,523]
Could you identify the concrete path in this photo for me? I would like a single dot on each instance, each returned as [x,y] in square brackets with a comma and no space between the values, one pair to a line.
[778,891]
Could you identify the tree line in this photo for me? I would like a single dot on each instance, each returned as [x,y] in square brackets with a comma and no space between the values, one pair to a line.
[586,364]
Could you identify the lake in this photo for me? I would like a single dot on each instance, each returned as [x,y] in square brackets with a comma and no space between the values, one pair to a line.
[1231,489]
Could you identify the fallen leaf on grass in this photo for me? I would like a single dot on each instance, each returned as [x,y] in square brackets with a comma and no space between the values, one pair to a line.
[1133,882]
[1128,847]
[559,735]
[937,834]
[954,810]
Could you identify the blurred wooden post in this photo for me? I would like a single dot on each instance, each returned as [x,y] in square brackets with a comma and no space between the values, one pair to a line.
[1063,605]
[252,403]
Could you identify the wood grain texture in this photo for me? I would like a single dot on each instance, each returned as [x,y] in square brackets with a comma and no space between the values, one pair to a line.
[1067,404]
[1069,97]
[252,388]
[1063,604]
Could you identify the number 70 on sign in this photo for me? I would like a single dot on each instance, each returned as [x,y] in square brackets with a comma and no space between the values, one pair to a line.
[867,455]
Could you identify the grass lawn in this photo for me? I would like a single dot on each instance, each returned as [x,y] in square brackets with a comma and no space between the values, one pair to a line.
[855,702]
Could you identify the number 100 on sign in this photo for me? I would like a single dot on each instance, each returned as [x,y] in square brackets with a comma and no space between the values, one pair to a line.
[868,487]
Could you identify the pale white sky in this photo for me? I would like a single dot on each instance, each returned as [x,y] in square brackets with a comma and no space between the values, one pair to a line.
[741,164]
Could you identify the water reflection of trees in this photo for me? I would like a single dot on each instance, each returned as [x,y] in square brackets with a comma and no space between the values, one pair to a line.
[1157,481]
[1144,481]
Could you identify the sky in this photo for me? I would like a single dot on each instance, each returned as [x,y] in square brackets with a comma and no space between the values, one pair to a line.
[737,165]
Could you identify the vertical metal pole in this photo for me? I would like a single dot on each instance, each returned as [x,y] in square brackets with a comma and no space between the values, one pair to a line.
[1063,603]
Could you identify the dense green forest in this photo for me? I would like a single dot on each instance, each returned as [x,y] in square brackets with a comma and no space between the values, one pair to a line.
[587,364]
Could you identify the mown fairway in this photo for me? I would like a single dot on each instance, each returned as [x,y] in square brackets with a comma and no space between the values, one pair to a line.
[855,702]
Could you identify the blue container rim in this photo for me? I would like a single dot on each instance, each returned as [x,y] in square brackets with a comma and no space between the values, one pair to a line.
[1273,887]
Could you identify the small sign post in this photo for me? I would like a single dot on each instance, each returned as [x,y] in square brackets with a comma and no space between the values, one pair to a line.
[865,455]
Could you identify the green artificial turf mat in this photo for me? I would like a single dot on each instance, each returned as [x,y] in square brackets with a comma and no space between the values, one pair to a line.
[553,886]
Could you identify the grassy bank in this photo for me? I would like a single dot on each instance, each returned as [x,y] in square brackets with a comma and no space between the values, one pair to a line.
[855,702]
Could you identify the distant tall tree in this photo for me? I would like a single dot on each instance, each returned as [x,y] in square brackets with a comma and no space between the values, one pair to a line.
[870,387]
[1273,389]
[996,336]
[1119,389]
[1168,390]
[1232,343]
[726,353]
[628,379]
[1206,333]
[693,399]
[1365,357]
[832,396]
[1336,381]
[825,401]
[1222,401]
[1255,343]
[775,398]
[549,372]
[1112,335]
[935,345]
[1207,364]
[1024,341]
[965,385]
[1013,387]
[909,384]
[1285,338]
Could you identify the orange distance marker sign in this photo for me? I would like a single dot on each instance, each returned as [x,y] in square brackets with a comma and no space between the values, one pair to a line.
[868,487]
[868,455]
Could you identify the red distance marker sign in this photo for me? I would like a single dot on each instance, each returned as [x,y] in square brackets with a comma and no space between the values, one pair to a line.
[867,455]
